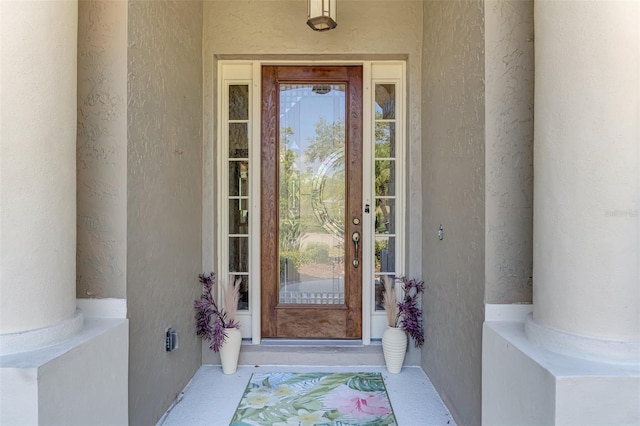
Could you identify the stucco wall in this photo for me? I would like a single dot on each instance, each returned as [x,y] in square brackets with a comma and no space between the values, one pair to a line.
[102,149]
[164,199]
[509,78]
[251,29]
[453,157]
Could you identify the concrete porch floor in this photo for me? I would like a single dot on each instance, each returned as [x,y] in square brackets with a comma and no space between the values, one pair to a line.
[211,397]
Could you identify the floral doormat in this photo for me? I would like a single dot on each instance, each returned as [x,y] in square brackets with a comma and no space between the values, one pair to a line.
[309,399]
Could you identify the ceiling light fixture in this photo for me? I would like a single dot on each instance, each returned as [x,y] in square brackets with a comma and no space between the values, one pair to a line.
[321,14]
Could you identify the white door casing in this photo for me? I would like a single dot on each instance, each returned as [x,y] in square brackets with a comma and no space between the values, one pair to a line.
[238,243]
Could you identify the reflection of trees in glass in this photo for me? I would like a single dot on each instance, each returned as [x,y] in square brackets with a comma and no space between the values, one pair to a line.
[384,249]
[289,205]
[385,153]
[333,197]
[329,138]
[384,172]
[328,192]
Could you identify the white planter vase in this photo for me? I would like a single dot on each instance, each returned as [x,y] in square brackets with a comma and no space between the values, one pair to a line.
[230,350]
[394,348]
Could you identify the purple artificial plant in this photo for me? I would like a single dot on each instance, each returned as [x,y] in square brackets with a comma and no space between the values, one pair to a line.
[211,321]
[409,316]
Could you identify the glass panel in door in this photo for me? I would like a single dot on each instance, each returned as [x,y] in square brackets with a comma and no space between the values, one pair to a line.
[311,193]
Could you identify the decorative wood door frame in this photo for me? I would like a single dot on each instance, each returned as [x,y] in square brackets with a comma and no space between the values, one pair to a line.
[310,321]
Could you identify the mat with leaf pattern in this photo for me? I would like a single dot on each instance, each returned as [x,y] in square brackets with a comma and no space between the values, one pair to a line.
[309,399]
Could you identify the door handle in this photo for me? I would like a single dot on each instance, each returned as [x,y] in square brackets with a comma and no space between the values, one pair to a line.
[356,241]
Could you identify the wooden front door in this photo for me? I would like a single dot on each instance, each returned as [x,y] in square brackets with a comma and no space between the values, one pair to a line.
[311,201]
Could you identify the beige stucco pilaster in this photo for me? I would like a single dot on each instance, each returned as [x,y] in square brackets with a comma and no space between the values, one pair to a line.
[586,206]
[38,173]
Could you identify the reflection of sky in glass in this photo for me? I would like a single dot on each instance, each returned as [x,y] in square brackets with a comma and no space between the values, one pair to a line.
[301,109]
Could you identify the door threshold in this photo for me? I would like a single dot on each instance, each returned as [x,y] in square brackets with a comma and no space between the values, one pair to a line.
[281,351]
[311,342]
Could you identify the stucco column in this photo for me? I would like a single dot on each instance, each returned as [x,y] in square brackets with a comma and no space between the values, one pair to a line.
[38,173]
[586,290]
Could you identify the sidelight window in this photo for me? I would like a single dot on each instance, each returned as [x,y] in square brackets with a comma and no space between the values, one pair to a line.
[238,197]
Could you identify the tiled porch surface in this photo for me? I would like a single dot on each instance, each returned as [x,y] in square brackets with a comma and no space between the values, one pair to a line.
[211,397]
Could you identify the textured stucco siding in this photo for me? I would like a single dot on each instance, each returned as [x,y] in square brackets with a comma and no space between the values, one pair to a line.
[163,199]
[509,70]
[453,159]
[102,149]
